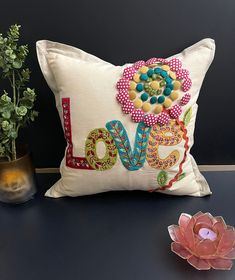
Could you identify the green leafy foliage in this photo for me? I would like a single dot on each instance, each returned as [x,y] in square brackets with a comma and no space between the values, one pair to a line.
[16,107]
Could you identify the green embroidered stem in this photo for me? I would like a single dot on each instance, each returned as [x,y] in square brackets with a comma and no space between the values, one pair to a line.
[181,176]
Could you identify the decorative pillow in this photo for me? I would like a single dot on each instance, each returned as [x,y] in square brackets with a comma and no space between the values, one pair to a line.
[127,127]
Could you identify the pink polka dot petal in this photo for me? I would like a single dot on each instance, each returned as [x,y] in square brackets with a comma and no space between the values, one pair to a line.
[151,61]
[182,74]
[138,64]
[122,96]
[175,111]
[162,60]
[129,72]
[123,84]
[163,118]
[137,115]
[187,84]
[185,99]
[128,107]
[175,64]
[150,119]
[123,91]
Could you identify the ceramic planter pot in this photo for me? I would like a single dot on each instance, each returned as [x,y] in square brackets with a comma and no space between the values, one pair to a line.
[17,184]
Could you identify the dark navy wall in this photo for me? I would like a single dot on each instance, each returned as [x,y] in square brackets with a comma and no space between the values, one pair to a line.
[124,31]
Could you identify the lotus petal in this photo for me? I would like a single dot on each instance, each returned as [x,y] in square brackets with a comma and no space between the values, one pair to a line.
[189,234]
[175,234]
[199,264]
[221,264]
[205,219]
[198,214]
[184,220]
[219,228]
[227,242]
[230,255]
[220,219]
[180,250]
[230,228]
[205,248]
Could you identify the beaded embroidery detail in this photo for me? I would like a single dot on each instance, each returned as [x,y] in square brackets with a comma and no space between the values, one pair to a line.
[71,160]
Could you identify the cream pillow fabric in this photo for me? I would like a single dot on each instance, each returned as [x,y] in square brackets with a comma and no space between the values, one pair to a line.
[127,127]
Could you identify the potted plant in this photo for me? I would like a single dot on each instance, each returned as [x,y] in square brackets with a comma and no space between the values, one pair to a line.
[16,111]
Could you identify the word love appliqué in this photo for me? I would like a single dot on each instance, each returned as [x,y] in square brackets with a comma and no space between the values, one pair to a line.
[116,141]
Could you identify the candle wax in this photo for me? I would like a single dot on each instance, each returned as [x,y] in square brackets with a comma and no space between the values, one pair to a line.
[207,233]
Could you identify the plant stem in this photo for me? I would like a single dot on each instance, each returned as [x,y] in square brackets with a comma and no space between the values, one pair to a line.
[18,88]
[13,146]
[14,87]
[13,142]
[18,97]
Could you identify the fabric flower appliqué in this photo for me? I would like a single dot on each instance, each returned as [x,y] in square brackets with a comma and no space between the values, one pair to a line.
[204,241]
[154,91]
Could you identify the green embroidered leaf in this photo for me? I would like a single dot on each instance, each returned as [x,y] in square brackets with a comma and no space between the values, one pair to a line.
[118,140]
[130,155]
[122,150]
[140,135]
[116,125]
[121,133]
[144,144]
[181,176]
[112,130]
[162,178]
[138,149]
[187,116]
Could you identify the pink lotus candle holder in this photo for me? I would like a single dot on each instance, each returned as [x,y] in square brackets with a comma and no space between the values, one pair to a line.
[204,241]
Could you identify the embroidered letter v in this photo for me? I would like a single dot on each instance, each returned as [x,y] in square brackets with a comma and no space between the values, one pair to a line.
[131,160]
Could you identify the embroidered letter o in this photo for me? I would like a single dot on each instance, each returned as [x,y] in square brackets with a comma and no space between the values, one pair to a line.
[108,161]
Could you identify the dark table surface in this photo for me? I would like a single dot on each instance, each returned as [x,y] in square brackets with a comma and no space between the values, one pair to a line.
[110,236]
